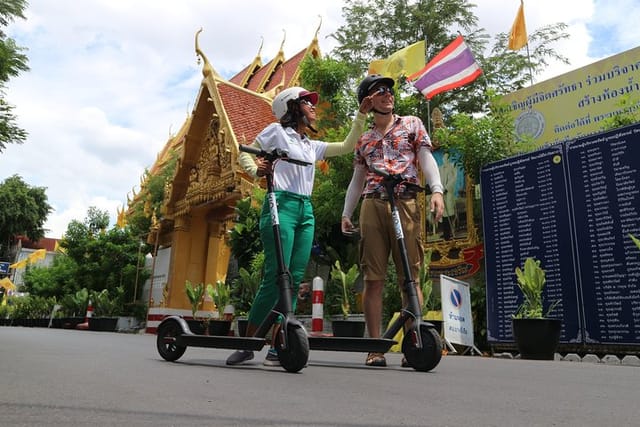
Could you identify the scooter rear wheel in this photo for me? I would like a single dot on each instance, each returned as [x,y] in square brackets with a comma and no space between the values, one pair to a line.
[168,331]
[296,355]
[426,358]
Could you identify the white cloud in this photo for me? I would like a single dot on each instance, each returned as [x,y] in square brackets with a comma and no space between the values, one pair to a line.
[110,80]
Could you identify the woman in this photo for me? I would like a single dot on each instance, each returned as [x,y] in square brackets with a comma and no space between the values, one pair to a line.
[295,109]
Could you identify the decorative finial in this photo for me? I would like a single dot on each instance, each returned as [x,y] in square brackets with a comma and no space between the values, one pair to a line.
[284,38]
[207,69]
[319,25]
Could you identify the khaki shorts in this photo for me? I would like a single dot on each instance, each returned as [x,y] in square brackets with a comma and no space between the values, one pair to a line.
[379,239]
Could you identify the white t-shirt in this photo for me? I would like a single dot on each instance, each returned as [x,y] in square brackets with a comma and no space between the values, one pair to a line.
[287,176]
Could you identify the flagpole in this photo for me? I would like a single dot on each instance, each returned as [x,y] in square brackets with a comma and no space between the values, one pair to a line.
[428,100]
[530,68]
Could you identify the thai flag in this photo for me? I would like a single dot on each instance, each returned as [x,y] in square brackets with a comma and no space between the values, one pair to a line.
[455,66]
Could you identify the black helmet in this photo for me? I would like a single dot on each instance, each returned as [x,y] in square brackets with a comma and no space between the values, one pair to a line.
[369,82]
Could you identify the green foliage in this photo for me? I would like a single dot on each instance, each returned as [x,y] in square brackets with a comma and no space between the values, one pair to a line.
[151,198]
[6,310]
[108,304]
[347,281]
[245,239]
[628,113]
[245,286]
[333,81]
[51,281]
[80,301]
[23,210]
[531,282]
[475,142]
[478,295]
[221,296]
[12,62]
[31,307]
[195,294]
[635,240]
[426,284]
[391,297]
[104,259]
[374,29]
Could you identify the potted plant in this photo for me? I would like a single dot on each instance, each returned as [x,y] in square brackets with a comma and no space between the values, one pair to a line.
[74,308]
[195,294]
[346,327]
[107,308]
[244,288]
[536,334]
[221,296]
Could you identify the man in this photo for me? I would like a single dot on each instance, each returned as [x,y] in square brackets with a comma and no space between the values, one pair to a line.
[398,145]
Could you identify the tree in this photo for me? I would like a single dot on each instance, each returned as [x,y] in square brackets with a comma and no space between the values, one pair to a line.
[105,259]
[94,259]
[23,211]
[12,62]
[374,29]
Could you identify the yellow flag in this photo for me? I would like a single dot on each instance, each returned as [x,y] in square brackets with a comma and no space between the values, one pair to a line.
[518,36]
[405,62]
[7,284]
[39,254]
[20,264]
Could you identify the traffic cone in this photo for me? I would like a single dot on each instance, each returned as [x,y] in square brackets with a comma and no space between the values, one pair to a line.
[85,324]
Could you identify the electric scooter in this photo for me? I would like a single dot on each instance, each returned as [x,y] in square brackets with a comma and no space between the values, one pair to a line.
[421,345]
[291,343]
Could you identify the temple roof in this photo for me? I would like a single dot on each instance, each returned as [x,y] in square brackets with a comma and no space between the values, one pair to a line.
[238,108]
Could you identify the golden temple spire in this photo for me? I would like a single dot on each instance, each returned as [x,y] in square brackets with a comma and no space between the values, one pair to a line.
[315,37]
[284,38]
[259,54]
[207,69]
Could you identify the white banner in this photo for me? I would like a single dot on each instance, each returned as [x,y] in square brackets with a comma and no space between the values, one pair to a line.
[456,311]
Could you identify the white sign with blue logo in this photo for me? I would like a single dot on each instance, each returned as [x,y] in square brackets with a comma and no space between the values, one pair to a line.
[456,311]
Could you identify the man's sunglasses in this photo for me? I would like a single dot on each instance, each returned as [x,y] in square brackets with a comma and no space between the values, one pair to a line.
[382,90]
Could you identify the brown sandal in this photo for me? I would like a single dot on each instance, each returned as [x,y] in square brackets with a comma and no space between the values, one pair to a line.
[376,359]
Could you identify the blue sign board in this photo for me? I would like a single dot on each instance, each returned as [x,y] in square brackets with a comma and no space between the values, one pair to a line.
[4,268]
[571,205]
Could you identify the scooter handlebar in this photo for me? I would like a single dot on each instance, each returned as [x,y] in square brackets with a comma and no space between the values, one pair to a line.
[391,180]
[272,156]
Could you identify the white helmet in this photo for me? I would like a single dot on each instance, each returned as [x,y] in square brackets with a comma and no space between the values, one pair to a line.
[280,104]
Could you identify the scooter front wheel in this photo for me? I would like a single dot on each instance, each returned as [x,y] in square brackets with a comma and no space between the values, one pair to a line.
[295,356]
[168,331]
[426,358]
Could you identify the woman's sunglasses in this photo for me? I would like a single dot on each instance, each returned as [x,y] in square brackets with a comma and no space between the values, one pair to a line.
[307,103]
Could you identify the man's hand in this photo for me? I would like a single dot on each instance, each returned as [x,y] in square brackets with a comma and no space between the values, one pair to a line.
[347,226]
[437,206]
[366,105]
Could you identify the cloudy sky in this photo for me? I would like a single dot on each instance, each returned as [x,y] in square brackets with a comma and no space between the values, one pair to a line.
[111,80]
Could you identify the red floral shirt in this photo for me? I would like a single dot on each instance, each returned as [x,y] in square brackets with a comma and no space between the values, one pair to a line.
[395,152]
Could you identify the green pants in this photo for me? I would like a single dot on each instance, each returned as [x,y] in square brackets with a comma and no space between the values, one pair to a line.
[297,226]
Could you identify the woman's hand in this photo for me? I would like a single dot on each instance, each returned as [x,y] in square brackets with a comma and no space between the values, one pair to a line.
[265,167]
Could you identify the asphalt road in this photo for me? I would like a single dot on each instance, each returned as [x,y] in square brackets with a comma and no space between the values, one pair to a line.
[84,378]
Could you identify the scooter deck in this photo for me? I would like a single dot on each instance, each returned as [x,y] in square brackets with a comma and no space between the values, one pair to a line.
[214,341]
[362,345]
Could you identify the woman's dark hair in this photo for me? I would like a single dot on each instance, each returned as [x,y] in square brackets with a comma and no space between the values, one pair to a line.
[293,115]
